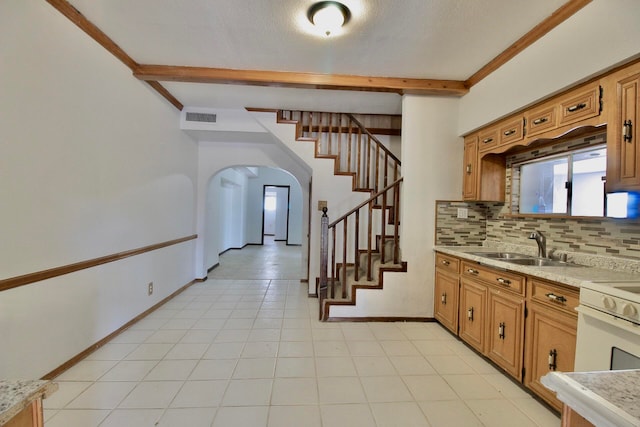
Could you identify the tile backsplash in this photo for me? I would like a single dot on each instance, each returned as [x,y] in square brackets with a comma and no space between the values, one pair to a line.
[488,222]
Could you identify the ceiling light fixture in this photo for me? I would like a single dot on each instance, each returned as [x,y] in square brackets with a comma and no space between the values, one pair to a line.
[328,16]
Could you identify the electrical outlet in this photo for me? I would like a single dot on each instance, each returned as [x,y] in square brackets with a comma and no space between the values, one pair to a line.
[150,288]
[463,213]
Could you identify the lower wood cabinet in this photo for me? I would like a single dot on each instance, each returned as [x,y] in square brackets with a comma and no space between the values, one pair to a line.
[525,325]
[506,331]
[551,335]
[473,309]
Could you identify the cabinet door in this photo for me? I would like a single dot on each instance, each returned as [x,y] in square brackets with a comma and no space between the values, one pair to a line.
[473,309]
[551,346]
[446,300]
[628,157]
[470,172]
[506,331]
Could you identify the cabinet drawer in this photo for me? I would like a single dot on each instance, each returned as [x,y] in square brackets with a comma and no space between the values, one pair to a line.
[541,120]
[447,263]
[581,105]
[487,139]
[500,279]
[555,296]
[512,131]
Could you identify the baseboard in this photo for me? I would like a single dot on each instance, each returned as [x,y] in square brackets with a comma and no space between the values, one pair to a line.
[381,319]
[294,244]
[78,357]
[213,267]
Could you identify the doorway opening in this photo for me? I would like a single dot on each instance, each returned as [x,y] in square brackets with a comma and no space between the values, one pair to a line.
[275,213]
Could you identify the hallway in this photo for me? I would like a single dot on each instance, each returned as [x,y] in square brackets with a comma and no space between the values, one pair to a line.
[244,348]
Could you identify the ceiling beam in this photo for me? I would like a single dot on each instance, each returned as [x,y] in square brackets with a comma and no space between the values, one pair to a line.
[74,15]
[563,13]
[300,80]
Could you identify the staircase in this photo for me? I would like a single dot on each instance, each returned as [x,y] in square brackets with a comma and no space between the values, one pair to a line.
[359,246]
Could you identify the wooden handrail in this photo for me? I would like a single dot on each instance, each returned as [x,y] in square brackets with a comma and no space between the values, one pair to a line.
[369,200]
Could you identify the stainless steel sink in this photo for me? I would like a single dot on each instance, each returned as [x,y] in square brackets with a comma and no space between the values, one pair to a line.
[540,262]
[501,255]
[522,259]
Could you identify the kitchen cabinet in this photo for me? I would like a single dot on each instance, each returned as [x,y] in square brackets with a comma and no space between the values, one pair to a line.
[471,172]
[551,335]
[511,131]
[473,309]
[31,416]
[506,331]
[446,292]
[497,298]
[525,325]
[623,149]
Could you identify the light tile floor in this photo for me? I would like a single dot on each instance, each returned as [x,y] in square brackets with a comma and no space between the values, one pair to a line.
[245,350]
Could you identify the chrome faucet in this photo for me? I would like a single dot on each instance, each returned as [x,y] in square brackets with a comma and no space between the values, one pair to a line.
[542,243]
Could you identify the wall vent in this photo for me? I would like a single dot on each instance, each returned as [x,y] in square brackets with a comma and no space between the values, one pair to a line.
[201,117]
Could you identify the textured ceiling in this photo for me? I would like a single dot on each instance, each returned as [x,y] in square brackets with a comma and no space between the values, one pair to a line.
[431,39]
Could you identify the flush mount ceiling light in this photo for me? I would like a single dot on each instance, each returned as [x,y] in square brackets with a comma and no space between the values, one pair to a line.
[328,16]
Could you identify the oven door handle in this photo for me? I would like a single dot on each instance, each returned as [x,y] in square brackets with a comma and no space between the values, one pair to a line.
[609,319]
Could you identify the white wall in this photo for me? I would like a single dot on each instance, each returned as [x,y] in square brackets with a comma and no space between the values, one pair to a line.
[282,213]
[602,34]
[431,166]
[92,164]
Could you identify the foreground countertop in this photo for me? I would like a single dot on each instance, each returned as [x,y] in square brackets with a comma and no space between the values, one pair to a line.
[15,395]
[572,276]
[605,398]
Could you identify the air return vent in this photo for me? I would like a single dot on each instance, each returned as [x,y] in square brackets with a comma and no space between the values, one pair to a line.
[201,117]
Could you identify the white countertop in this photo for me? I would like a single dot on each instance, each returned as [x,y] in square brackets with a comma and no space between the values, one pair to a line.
[605,398]
[572,276]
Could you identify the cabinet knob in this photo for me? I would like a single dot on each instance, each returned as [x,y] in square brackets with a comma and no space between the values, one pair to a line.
[472,271]
[470,314]
[509,132]
[502,281]
[443,299]
[556,298]
[501,330]
[445,262]
[487,140]
[627,131]
[540,120]
[553,355]
[576,107]
[469,169]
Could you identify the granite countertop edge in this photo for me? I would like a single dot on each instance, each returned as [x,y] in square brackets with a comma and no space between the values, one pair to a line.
[15,395]
[587,393]
[571,276]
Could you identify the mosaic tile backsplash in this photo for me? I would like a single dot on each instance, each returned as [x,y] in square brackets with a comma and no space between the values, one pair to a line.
[603,242]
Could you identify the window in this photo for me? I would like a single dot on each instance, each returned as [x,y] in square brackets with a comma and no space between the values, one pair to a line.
[567,184]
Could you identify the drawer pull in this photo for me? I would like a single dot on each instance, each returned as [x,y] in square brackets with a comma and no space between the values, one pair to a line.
[540,120]
[509,132]
[505,282]
[469,169]
[627,131]
[501,330]
[445,262]
[576,107]
[553,355]
[487,140]
[472,271]
[556,298]
[470,314]
[443,299]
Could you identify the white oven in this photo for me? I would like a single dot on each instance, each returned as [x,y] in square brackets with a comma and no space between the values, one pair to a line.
[608,336]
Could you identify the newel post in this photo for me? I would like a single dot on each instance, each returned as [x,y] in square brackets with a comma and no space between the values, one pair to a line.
[324,258]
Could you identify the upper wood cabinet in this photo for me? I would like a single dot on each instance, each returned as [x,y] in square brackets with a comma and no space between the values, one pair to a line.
[623,149]
[470,170]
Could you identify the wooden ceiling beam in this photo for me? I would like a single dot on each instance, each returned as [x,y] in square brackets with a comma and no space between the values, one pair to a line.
[563,13]
[74,15]
[300,80]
